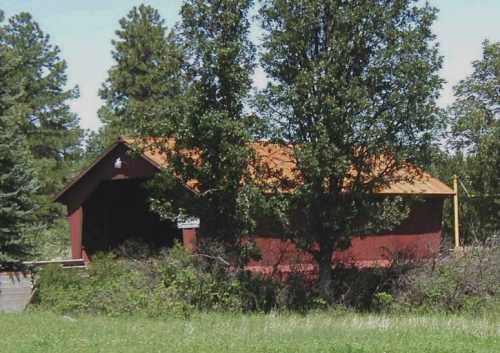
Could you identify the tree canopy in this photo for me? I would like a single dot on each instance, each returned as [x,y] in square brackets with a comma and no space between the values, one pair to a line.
[353,87]
[220,61]
[144,85]
[18,181]
[474,144]
[40,78]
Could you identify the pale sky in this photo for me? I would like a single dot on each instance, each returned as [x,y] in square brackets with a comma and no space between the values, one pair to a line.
[83,29]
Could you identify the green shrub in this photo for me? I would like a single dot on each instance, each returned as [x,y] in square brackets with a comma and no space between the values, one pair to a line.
[364,289]
[174,283]
[62,290]
[466,281]
[179,283]
[383,301]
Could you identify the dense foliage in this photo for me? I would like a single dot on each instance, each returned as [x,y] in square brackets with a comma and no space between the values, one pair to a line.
[144,86]
[46,130]
[473,138]
[354,87]
[468,281]
[18,181]
[179,283]
[38,81]
[18,185]
[220,60]
[176,283]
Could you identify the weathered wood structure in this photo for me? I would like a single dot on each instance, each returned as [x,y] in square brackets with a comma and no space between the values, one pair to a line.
[15,291]
[107,204]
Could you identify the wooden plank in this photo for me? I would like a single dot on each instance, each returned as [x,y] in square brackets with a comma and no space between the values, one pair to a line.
[15,291]
[68,262]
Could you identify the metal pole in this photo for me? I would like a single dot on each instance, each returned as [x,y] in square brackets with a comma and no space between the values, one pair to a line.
[455,209]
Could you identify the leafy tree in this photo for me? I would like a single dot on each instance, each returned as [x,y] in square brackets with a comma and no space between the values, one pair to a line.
[211,123]
[221,61]
[38,82]
[475,139]
[18,182]
[145,82]
[353,89]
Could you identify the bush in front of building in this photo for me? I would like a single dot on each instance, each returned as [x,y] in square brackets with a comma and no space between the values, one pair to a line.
[174,283]
[467,280]
[180,283]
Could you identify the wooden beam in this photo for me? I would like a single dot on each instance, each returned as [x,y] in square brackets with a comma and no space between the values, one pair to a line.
[189,239]
[75,225]
[455,212]
[67,262]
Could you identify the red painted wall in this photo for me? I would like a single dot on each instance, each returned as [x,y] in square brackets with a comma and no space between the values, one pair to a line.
[189,239]
[418,236]
[104,170]
[75,225]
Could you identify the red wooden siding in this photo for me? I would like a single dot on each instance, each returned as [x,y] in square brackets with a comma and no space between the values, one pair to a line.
[189,238]
[75,225]
[87,198]
[76,193]
[418,236]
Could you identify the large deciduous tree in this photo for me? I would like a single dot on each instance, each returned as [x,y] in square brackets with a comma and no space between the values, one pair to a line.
[189,86]
[353,89]
[213,125]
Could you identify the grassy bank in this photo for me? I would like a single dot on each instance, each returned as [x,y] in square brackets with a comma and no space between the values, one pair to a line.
[325,332]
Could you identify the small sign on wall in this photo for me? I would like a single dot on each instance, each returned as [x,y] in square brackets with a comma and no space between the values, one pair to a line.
[188,222]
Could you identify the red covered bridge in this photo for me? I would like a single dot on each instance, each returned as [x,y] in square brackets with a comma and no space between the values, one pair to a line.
[107,205]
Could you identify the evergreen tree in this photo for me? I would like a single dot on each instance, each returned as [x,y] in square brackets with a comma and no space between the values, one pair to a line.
[353,88]
[39,77]
[18,186]
[475,139]
[145,82]
[18,183]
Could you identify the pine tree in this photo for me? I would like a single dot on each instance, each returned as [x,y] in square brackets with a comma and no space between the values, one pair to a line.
[18,186]
[18,183]
[144,83]
[351,82]
[39,77]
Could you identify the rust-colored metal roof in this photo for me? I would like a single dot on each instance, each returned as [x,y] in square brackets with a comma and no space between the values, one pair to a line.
[279,161]
[423,184]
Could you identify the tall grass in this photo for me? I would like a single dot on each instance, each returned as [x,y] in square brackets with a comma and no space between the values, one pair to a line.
[318,332]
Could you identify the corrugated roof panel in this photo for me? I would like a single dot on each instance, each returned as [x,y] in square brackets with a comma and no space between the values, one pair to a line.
[279,159]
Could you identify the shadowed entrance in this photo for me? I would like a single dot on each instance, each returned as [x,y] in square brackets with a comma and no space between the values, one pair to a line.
[118,212]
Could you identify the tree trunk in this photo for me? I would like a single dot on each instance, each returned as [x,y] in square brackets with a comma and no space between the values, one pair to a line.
[325,274]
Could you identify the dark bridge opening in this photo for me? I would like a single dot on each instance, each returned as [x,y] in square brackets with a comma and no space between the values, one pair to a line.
[118,212]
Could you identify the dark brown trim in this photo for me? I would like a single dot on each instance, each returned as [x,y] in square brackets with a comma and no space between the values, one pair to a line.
[86,170]
[110,149]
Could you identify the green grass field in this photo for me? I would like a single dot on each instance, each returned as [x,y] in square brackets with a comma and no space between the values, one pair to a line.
[325,332]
